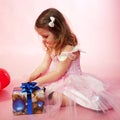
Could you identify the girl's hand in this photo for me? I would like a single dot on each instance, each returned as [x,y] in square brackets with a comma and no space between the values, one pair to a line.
[29,79]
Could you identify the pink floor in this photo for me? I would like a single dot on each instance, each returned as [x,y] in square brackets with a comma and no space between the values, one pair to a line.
[84,114]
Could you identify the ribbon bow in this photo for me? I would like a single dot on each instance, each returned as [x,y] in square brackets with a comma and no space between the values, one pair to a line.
[51,23]
[29,87]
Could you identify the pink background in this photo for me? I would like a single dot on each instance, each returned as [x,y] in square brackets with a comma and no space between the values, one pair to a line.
[95,22]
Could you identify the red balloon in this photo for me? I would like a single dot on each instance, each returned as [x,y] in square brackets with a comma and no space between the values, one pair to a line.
[4,78]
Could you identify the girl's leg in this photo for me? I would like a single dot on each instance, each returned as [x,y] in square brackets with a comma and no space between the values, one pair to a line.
[59,97]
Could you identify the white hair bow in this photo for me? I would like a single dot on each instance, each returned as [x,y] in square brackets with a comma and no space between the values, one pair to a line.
[51,23]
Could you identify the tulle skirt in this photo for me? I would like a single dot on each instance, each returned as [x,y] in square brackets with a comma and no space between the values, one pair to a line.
[79,96]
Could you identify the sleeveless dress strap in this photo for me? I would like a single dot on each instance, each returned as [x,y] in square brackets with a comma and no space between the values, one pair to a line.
[64,55]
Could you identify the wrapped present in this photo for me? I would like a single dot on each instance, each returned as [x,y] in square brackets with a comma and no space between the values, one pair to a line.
[28,99]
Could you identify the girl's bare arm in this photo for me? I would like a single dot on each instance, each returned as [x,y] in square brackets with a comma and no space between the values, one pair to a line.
[42,68]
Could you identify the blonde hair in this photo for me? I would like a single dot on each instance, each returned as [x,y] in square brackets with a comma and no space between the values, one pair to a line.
[61,29]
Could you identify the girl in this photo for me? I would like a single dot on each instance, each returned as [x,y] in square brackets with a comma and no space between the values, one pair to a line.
[60,72]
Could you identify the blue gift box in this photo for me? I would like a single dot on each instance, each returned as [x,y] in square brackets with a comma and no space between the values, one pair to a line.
[28,99]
